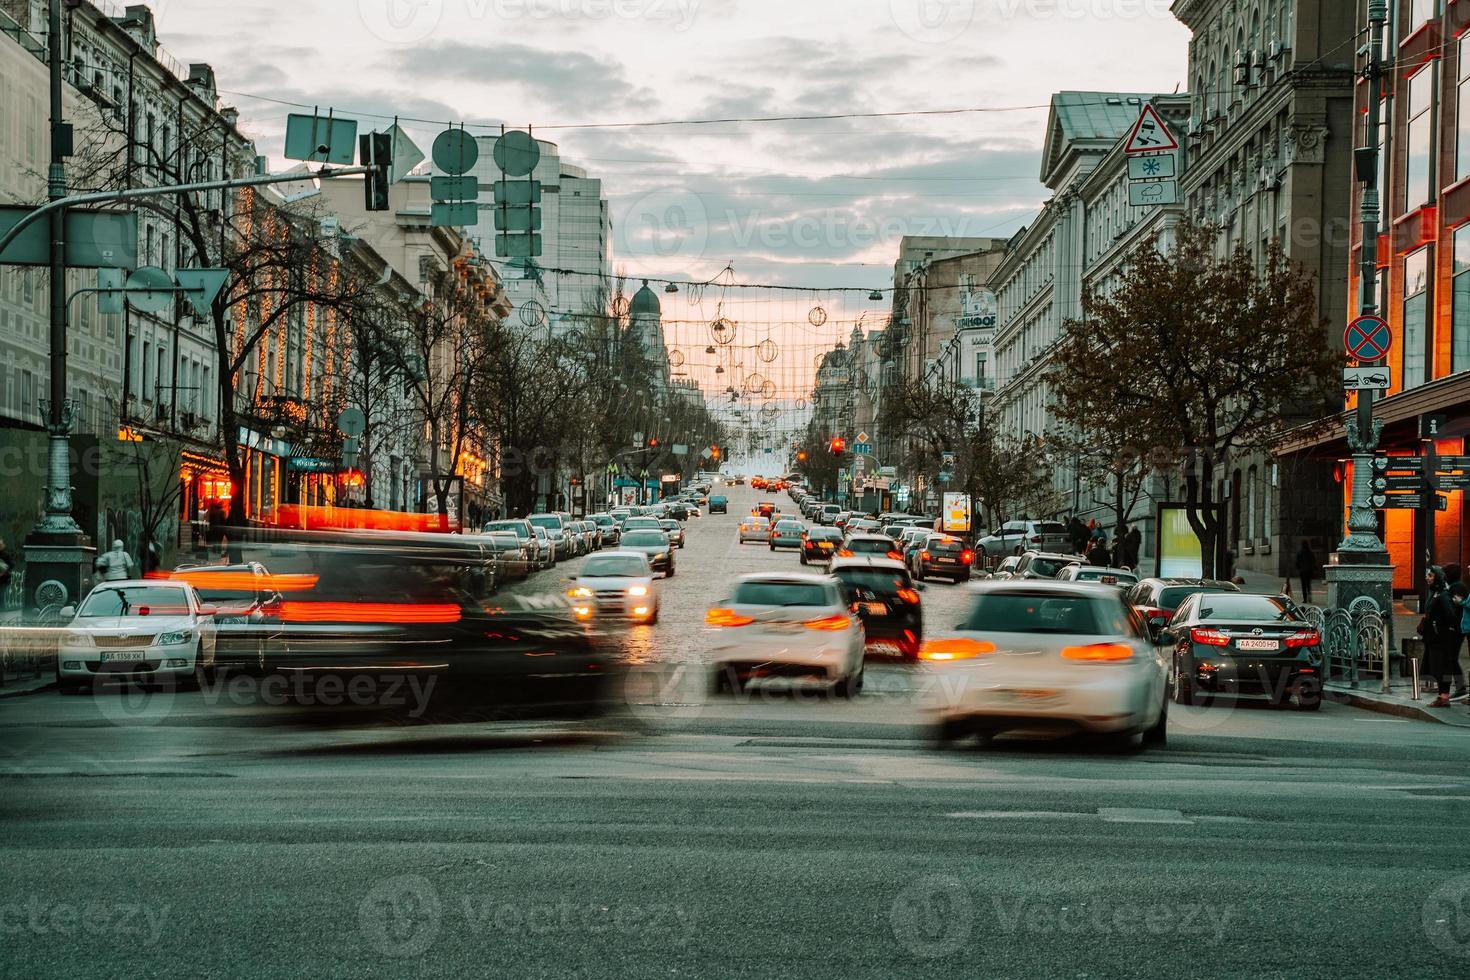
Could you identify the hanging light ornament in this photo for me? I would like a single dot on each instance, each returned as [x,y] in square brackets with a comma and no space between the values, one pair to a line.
[817,316]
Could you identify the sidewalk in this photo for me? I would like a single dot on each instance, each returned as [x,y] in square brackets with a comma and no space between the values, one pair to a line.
[1397,702]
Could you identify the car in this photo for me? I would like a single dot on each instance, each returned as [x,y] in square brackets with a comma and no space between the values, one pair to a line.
[869,544]
[513,557]
[766,509]
[737,481]
[820,545]
[883,594]
[679,510]
[787,532]
[525,531]
[841,520]
[1040,564]
[1121,578]
[247,619]
[608,527]
[941,555]
[911,540]
[1242,644]
[616,584]
[1157,598]
[1015,537]
[785,626]
[863,525]
[827,514]
[719,505]
[136,630]
[1007,567]
[655,544]
[757,483]
[545,546]
[1067,657]
[642,523]
[756,529]
[555,527]
[674,530]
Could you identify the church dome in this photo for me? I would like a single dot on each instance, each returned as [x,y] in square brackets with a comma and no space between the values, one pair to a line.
[645,304]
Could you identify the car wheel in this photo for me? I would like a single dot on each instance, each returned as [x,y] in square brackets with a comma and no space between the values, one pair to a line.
[947,732]
[1307,693]
[919,573]
[1158,733]
[850,686]
[670,573]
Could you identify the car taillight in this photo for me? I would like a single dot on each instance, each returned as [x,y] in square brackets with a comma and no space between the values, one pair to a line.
[909,596]
[895,556]
[1210,638]
[955,649]
[1099,652]
[844,553]
[1036,539]
[1304,639]
[726,617]
[967,556]
[924,555]
[828,623]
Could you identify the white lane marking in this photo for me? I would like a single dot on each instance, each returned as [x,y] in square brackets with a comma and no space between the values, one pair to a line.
[1016,815]
[1111,814]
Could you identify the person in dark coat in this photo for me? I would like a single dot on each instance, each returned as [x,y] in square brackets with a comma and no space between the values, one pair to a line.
[1098,554]
[1077,534]
[1306,570]
[1135,546]
[1441,630]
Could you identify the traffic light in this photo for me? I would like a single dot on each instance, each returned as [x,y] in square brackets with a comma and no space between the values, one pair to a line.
[714,451]
[838,445]
[801,457]
[376,150]
[653,442]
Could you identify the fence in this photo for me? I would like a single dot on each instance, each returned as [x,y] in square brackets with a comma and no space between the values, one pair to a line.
[1355,641]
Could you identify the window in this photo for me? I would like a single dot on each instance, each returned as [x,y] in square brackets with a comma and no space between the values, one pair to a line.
[1419,144]
[143,390]
[1460,318]
[1416,309]
[1462,112]
[1421,11]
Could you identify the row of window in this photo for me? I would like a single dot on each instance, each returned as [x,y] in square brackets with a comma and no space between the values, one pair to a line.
[1226,56]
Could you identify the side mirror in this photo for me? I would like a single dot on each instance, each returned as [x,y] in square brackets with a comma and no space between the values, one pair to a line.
[68,612]
[209,610]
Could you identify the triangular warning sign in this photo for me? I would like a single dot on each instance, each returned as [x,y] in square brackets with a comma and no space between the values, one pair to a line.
[1150,134]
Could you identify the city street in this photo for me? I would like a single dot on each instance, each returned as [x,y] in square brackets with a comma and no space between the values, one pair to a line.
[777,832]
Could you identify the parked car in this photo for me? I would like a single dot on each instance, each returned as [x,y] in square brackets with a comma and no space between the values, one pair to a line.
[1120,577]
[1039,564]
[941,555]
[136,630]
[556,529]
[607,526]
[1015,537]
[545,546]
[787,533]
[513,557]
[785,626]
[1242,644]
[719,505]
[525,532]
[1007,568]
[1157,598]
[1089,667]
[820,545]
[674,530]
[655,544]
[616,584]
[883,594]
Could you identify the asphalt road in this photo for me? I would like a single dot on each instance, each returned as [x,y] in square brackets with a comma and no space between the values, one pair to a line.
[778,833]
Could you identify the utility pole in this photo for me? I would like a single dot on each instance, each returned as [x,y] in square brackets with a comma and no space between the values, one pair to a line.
[58,552]
[1363,568]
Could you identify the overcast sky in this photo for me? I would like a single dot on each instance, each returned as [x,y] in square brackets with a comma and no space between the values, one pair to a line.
[818,203]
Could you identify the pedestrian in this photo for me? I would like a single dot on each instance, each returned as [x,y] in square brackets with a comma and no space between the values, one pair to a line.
[1461,591]
[1135,546]
[7,565]
[1098,553]
[1440,628]
[214,533]
[1306,569]
[1077,534]
[115,565]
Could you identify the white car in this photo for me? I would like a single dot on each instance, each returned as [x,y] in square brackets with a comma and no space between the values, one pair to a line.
[616,584]
[1120,577]
[136,630]
[1014,537]
[1067,657]
[793,625]
[756,529]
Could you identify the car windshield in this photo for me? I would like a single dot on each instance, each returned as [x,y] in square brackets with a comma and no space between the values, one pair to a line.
[142,600]
[1047,527]
[645,539]
[550,523]
[514,527]
[1046,612]
[615,566]
[1047,567]
[718,500]
[883,581]
[602,520]
[788,525]
[781,594]
[1171,597]
[1254,608]
[948,546]
[867,546]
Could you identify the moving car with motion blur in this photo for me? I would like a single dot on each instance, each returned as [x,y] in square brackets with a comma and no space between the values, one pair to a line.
[942,556]
[883,595]
[1120,577]
[247,610]
[756,529]
[616,584]
[787,533]
[1240,644]
[674,530]
[136,631]
[1065,657]
[820,545]
[653,543]
[878,545]
[785,626]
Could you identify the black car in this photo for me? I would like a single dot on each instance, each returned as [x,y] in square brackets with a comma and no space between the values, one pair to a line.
[886,599]
[654,543]
[1157,598]
[679,511]
[719,505]
[819,545]
[247,621]
[942,556]
[1237,643]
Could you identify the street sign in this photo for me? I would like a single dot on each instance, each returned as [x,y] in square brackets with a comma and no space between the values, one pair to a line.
[1150,134]
[455,152]
[1406,481]
[321,139]
[94,239]
[1406,501]
[518,219]
[862,448]
[1368,338]
[519,246]
[1142,194]
[862,437]
[1414,464]
[150,289]
[448,214]
[406,154]
[454,188]
[351,421]
[201,286]
[1365,379]
[1432,426]
[516,153]
[1152,166]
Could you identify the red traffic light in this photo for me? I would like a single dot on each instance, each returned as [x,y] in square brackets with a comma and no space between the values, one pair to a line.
[838,445]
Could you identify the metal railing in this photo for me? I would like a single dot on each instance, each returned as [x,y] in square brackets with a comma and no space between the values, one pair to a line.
[1355,641]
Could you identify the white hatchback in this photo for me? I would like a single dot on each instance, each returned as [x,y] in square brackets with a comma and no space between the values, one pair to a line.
[136,630]
[785,626]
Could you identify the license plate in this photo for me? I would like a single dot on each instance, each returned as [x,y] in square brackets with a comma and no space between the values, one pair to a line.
[825,547]
[946,561]
[122,656]
[881,647]
[1028,696]
[1258,644]
[875,608]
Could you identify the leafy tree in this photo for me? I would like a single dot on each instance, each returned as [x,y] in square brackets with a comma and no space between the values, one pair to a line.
[1198,356]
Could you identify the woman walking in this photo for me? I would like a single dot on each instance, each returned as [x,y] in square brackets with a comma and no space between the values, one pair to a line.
[1441,631]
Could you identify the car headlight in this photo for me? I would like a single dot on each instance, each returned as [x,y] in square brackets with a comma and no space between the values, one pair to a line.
[638,590]
[76,639]
[175,638]
[580,593]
